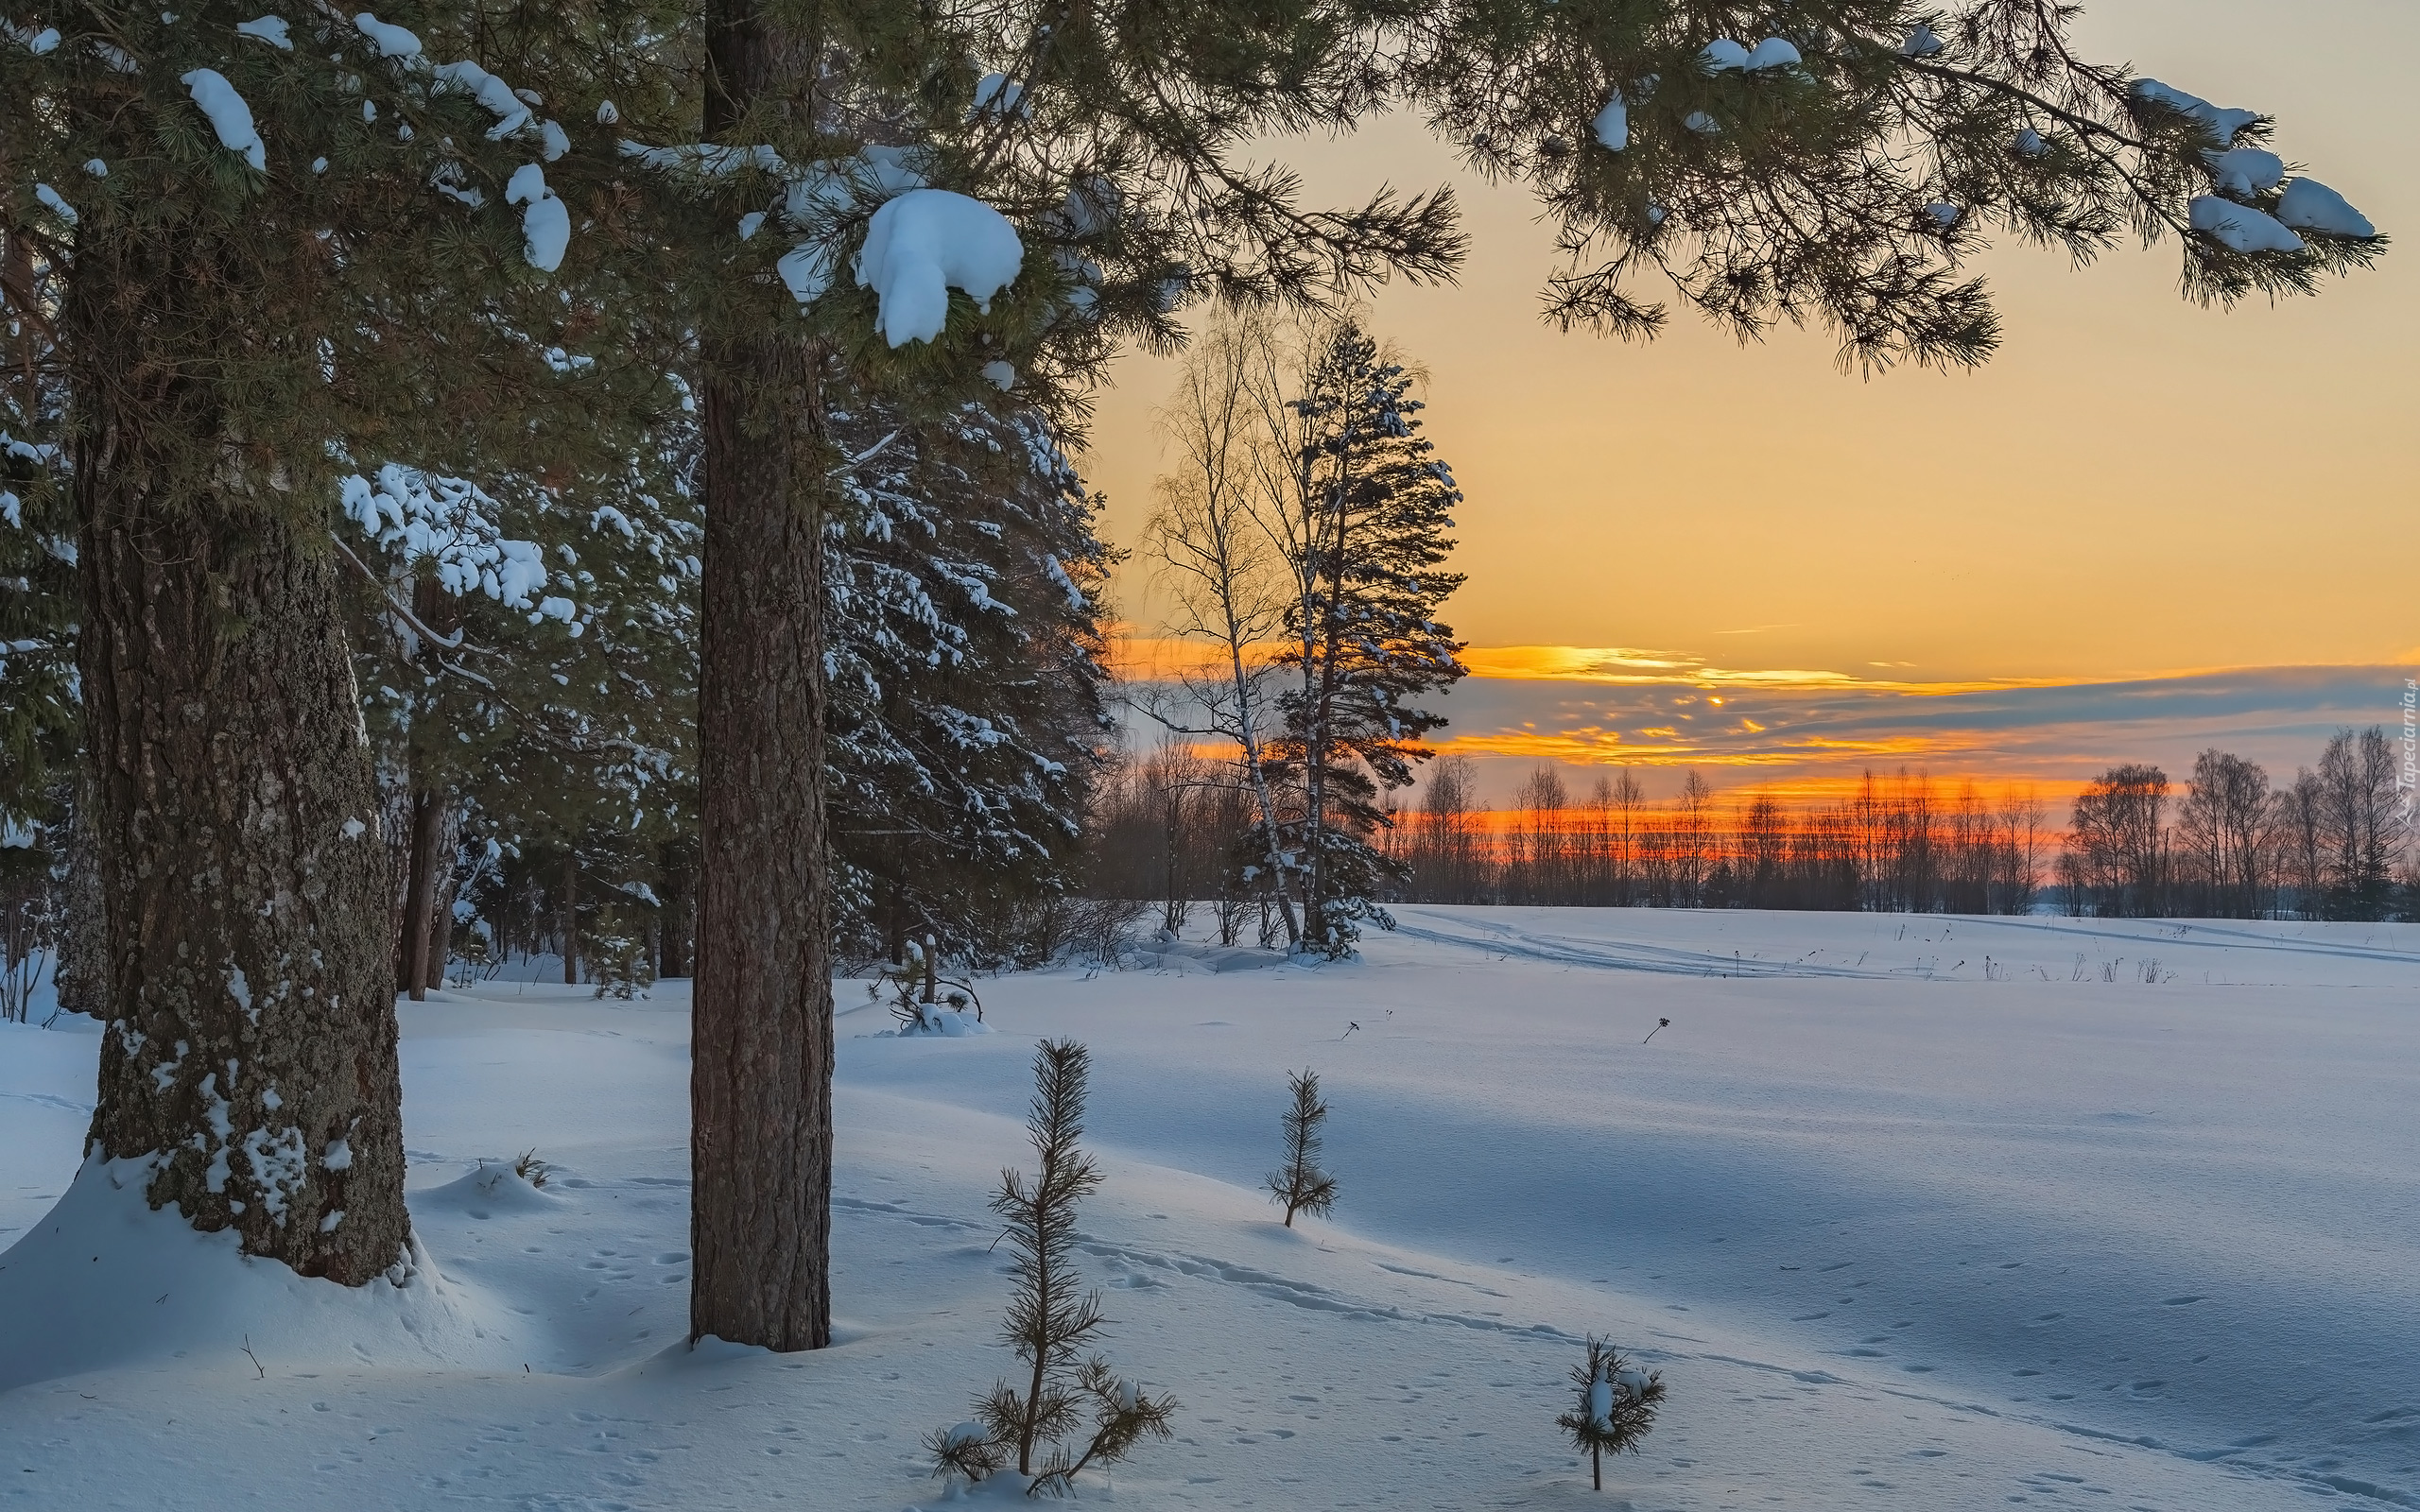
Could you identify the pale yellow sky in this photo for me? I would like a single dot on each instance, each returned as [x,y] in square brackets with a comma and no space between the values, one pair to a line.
[2134,485]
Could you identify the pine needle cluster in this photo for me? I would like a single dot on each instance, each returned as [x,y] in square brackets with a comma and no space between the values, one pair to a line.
[1072,1411]
[1300,1184]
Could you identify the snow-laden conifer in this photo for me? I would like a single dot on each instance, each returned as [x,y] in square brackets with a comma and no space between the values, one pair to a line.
[1300,1184]
[1069,1411]
[1616,1409]
[964,574]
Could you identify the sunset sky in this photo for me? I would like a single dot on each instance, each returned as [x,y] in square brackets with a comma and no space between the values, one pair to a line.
[2145,527]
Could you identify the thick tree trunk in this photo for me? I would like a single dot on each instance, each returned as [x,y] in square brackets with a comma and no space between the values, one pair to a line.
[761,1054]
[250,986]
[761,1036]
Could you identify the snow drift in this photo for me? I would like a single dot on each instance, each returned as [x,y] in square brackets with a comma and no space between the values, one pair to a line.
[104,1281]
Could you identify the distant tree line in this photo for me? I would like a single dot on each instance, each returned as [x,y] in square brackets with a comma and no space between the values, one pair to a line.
[2332,844]
[1903,844]
[2231,845]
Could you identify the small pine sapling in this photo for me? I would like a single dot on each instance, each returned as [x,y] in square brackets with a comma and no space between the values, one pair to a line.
[1617,1406]
[1051,1322]
[1301,1185]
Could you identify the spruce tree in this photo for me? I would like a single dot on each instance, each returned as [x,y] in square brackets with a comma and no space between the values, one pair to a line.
[1120,170]
[1617,1406]
[1300,1184]
[967,679]
[529,661]
[1365,540]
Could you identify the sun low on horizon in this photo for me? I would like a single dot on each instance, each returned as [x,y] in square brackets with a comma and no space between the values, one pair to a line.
[2143,527]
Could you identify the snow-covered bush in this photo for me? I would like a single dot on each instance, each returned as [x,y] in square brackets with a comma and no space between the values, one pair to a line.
[925,1002]
[620,964]
[1617,1406]
[1041,1430]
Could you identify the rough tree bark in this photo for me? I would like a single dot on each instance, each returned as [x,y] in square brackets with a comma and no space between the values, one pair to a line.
[250,986]
[761,1048]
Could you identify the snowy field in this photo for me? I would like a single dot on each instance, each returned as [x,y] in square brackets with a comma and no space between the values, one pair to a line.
[2128,1218]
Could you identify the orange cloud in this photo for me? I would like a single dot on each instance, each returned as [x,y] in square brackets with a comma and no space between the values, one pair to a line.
[1631,667]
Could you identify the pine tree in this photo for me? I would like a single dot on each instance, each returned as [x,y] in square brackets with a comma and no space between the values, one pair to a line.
[1110,138]
[271,249]
[1617,1406]
[1051,1322]
[1120,175]
[1365,535]
[1300,1184]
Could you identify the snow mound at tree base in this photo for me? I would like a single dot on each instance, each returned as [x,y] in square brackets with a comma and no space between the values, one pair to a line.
[104,1281]
[495,1187]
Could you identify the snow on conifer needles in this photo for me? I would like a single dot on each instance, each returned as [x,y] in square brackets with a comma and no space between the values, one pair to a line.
[1852,131]
[1617,1407]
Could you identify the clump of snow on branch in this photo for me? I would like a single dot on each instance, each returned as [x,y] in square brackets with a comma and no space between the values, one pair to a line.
[547,224]
[924,243]
[1723,55]
[2240,228]
[2242,171]
[271,29]
[2221,124]
[1773,52]
[449,524]
[819,200]
[229,115]
[36,42]
[490,92]
[2310,205]
[1612,124]
[997,94]
[392,42]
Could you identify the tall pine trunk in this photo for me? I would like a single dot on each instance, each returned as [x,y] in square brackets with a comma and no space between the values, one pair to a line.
[423,879]
[249,978]
[761,1035]
[570,890]
[1316,924]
